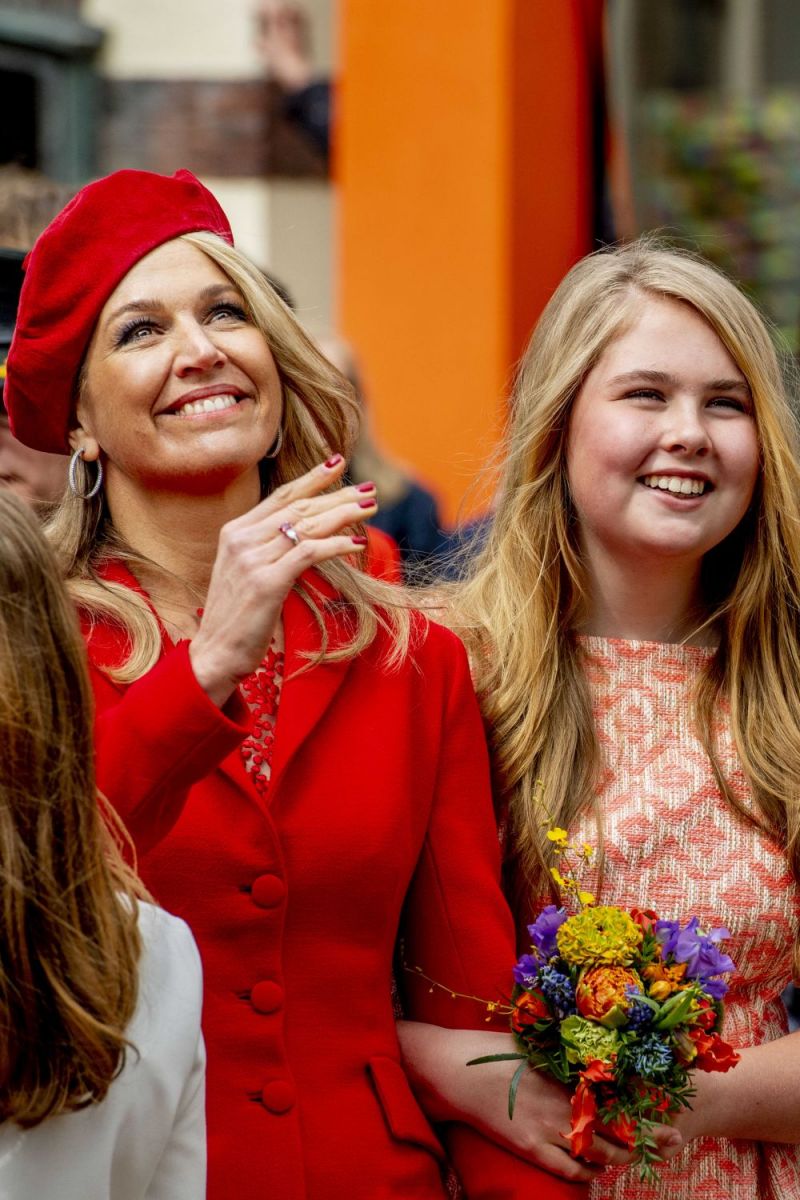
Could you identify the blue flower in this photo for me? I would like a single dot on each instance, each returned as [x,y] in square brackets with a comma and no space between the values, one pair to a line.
[700,951]
[640,1014]
[544,929]
[526,970]
[650,1056]
[557,989]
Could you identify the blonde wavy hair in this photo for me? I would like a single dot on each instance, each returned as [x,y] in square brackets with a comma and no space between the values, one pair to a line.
[70,944]
[320,415]
[518,606]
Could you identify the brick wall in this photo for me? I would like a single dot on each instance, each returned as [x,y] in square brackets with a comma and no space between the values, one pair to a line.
[215,128]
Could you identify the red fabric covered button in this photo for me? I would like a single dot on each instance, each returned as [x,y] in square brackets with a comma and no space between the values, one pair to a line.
[268,891]
[278,1096]
[266,996]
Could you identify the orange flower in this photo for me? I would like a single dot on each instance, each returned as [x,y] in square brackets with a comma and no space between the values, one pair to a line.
[706,1015]
[601,994]
[621,1129]
[712,1053]
[529,1007]
[584,1105]
[664,980]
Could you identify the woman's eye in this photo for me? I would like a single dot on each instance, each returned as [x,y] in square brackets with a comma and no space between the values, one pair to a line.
[234,311]
[729,402]
[645,394]
[134,331]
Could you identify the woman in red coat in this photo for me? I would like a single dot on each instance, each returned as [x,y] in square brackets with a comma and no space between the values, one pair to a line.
[301,765]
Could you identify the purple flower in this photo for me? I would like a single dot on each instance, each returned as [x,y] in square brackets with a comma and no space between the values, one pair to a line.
[544,929]
[526,971]
[700,952]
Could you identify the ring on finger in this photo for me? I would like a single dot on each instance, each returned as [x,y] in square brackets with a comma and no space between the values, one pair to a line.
[288,530]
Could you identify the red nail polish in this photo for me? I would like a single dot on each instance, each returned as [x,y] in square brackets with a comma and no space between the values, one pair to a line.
[333,461]
[366,487]
[367,504]
[359,541]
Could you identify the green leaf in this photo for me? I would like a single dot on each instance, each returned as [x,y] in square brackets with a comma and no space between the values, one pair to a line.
[512,1091]
[474,1062]
[674,1011]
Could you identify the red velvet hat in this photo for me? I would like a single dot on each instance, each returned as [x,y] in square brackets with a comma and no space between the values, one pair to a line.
[70,273]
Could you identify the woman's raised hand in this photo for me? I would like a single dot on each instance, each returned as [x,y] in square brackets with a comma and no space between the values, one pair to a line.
[259,557]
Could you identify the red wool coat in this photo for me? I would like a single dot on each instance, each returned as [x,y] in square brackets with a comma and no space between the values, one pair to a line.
[377,819]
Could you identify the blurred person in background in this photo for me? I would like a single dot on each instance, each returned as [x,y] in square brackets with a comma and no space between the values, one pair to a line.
[34,476]
[28,202]
[101,1057]
[409,512]
[283,40]
[299,758]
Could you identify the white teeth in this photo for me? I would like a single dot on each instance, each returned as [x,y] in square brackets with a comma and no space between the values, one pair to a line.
[209,404]
[677,484]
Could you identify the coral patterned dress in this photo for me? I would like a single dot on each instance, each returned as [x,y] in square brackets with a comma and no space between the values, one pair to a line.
[673,844]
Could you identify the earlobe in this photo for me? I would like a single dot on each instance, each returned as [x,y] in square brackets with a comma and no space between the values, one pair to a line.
[79,439]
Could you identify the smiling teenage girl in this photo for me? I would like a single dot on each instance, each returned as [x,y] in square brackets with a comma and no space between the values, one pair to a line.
[633,624]
[298,761]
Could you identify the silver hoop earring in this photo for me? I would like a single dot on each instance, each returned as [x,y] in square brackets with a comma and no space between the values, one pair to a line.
[276,445]
[73,476]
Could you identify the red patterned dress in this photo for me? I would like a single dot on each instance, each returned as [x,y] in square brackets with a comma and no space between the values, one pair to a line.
[673,844]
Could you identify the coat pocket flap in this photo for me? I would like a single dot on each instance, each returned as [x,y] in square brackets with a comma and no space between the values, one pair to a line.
[403,1114]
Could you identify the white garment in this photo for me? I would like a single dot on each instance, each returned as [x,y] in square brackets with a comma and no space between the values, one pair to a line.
[146,1139]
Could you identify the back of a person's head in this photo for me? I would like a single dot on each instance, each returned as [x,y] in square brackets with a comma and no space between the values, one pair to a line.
[69,944]
[28,202]
[45,699]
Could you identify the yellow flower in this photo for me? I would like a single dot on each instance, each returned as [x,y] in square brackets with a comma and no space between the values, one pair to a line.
[600,934]
[559,836]
[586,897]
[558,877]
[664,980]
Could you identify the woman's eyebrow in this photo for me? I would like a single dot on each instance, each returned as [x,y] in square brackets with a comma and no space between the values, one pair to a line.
[145,305]
[644,375]
[663,377]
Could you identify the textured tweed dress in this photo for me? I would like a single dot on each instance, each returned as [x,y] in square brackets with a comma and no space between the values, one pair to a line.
[673,844]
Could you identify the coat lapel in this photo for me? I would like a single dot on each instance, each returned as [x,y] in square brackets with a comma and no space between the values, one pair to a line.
[308,692]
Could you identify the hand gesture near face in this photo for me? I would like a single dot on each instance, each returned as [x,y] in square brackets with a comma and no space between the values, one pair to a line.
[282,40]
[259,557]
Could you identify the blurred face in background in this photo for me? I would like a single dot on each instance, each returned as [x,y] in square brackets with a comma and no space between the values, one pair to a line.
[33,476]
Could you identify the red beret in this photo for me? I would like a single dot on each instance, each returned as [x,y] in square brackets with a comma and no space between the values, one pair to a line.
[70,273]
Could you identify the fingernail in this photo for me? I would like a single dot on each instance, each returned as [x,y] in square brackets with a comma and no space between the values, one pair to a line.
[359,541]
[366,487]
[333,461]
[367,504]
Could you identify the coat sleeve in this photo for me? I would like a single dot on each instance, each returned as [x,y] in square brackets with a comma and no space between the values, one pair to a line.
[459,931]
[158,737]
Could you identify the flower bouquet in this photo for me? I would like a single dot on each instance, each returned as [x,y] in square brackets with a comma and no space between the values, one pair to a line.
[621,1007]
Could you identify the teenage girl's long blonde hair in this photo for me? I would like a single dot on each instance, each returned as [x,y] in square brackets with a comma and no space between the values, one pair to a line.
[518,607]
[320,415]
[70,946]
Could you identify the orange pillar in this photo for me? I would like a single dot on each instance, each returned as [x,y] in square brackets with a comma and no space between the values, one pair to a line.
[463,161]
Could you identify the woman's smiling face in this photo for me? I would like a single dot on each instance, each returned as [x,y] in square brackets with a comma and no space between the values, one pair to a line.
[180,390]
[662,451]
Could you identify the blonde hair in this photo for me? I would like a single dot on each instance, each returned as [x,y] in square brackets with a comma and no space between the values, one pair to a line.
[70,943]
[519,606]
[320,415]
